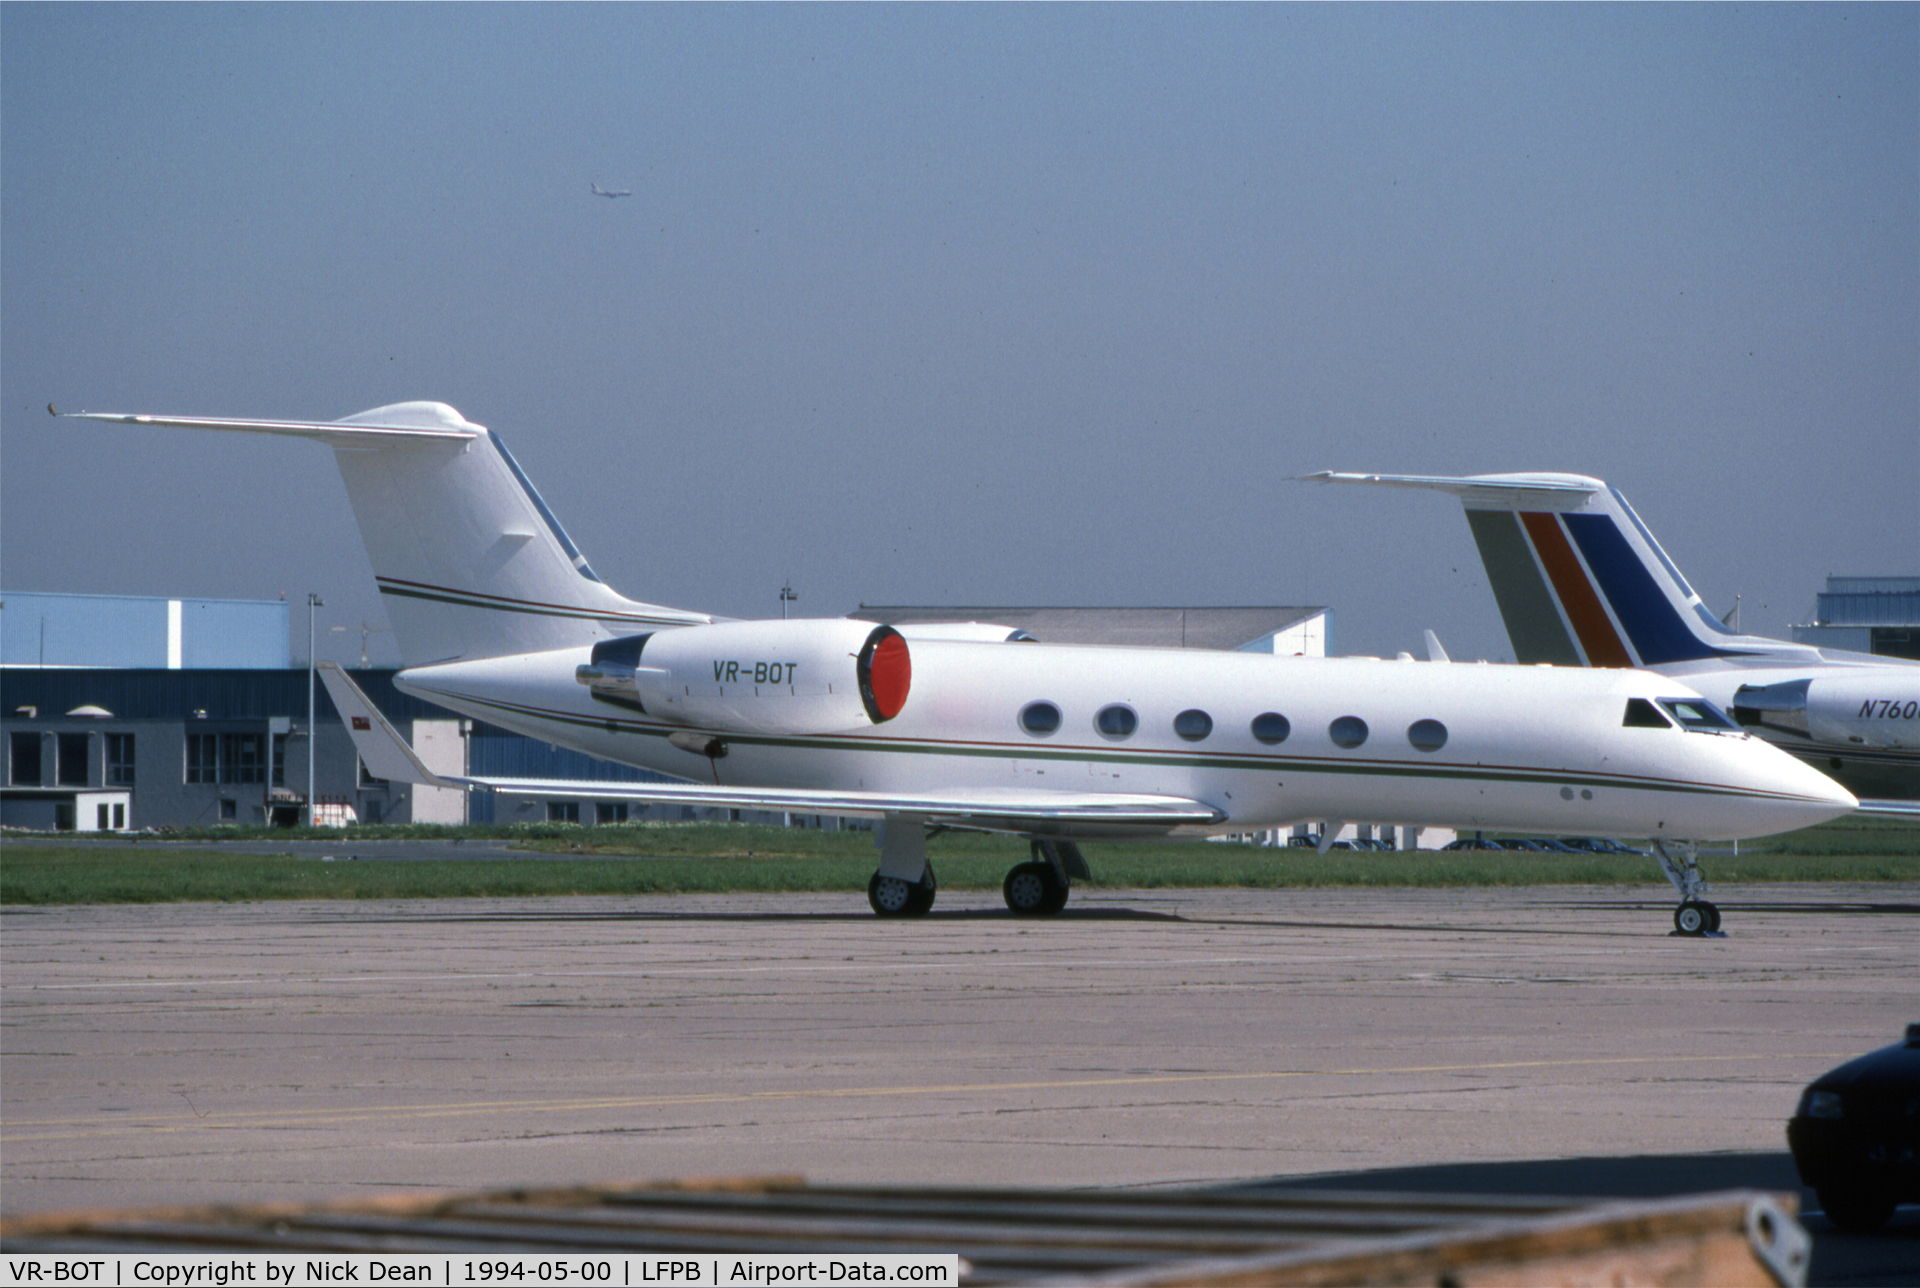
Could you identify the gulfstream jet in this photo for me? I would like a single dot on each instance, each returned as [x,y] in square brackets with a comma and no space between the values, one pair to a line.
[500,617]
[1580,581]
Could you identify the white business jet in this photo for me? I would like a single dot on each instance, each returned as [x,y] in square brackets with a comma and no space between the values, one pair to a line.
[499,617]
[1580,581]
[598,191]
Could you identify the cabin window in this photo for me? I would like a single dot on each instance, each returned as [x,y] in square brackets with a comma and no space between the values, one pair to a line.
[1193,725]
[1642,714]
[1348,731]
[1040,718]
[1116,721]
[1697,713]
[1271,727]
[1427,735]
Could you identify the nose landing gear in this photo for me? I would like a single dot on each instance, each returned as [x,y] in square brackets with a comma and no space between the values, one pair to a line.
[1695,916]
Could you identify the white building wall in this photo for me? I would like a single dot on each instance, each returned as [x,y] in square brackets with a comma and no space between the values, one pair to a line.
[441,748]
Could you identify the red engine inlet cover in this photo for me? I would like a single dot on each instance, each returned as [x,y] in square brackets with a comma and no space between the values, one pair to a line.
[886,673]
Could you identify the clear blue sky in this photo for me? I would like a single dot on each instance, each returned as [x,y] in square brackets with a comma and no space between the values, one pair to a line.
[955,304]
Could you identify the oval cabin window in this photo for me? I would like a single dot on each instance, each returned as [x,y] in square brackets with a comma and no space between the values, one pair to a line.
[1193,725]
[1040,718]
[1271,727]
[1348,731]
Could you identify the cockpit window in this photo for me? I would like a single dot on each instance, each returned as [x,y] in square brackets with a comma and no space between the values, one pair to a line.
[1698,714]
[1642,714]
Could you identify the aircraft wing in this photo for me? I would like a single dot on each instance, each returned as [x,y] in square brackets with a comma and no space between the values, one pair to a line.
[387,755]
[1908,811]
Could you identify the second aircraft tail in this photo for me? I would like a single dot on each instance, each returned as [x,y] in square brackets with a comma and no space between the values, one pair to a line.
[1579,579]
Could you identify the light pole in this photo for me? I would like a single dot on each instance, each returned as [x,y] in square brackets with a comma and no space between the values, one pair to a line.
[313,601]
[788,595]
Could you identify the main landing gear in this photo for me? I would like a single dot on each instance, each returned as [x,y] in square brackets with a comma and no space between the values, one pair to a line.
[1695,916]
[1039,887]
[904,885]
[894,897]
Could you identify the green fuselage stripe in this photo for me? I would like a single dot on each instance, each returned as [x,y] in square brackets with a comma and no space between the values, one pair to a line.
[1009,751]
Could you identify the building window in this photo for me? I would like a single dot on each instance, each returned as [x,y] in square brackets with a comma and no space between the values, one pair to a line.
[25,760]
[279,760]
[229,810]
[606,812]
[203,751]
[73,767]
[563,811]
[120,759]
[243,758]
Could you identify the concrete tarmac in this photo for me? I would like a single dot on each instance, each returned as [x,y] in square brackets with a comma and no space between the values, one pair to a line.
[277,1051]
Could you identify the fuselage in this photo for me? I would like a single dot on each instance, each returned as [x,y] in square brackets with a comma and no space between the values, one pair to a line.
[1542,749]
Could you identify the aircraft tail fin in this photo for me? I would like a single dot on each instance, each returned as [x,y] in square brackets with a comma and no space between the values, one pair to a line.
[470,561]
[1579,579]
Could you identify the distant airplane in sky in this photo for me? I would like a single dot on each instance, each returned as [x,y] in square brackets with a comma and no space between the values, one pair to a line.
[499,616]
[1580,581]
[598,191]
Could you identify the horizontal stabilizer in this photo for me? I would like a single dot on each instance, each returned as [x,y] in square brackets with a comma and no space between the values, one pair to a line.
[444,424]
[1535,491]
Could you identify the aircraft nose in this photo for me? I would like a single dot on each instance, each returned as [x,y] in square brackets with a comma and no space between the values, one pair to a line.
[1806,791]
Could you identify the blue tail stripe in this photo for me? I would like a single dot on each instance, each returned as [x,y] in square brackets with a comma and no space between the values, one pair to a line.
[1658,633]
[553,524]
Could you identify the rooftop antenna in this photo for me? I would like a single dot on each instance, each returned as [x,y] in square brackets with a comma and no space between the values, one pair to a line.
[788,595]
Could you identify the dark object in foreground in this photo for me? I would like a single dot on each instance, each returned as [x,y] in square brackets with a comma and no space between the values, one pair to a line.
[1010,1236]
[1856,1135]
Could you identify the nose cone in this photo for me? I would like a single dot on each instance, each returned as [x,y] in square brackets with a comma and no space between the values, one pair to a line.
[1789,794]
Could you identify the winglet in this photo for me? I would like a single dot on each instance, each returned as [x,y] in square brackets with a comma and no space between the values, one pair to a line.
[385,753]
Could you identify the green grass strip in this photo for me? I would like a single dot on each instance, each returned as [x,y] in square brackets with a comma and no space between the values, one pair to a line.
[701,858]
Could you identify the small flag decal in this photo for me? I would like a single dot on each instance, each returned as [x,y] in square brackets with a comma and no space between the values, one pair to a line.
[362,723]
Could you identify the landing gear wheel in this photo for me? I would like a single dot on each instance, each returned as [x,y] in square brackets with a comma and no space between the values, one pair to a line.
[1056,893]
[1692,918]
[1859,1211]
[922,902]
[1713,917]
[1032,890]
[894,897]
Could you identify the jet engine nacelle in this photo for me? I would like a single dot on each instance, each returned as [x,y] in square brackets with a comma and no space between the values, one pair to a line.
[787,677]
[1872,709]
